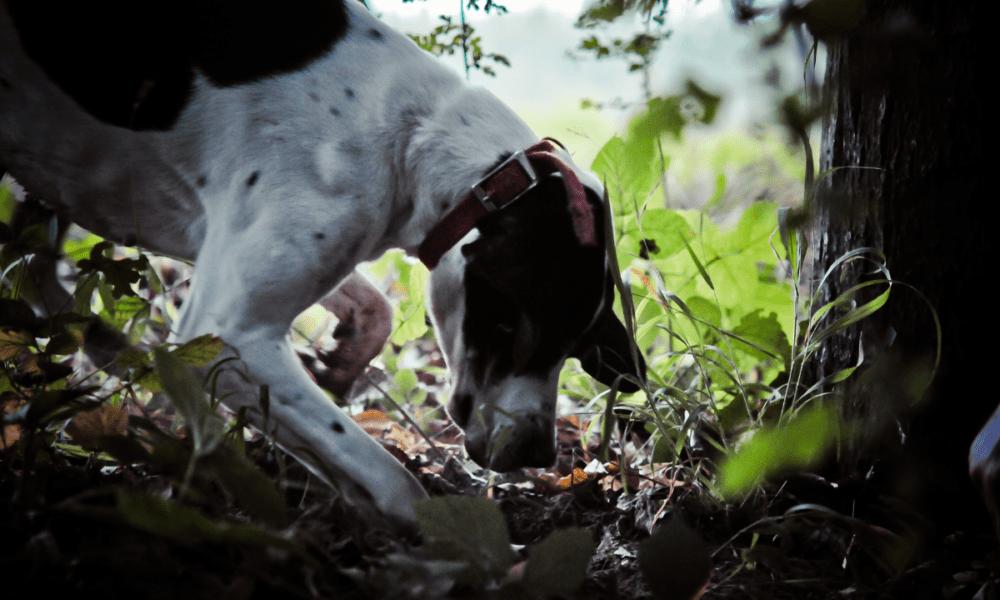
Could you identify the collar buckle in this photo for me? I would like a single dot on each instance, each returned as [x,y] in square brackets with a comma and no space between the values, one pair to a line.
[489,202]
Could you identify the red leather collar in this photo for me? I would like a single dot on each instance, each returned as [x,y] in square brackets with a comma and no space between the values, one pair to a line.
[502,186]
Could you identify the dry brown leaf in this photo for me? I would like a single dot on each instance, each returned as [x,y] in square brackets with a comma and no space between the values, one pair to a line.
[104,420]
[11,433]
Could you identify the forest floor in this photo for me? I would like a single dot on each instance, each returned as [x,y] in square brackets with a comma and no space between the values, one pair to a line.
[63,530]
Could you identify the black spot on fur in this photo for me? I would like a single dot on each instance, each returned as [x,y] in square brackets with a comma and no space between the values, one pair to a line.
[337,427]
[375,34]
[464,120]
[253,178]
[132,64]
[353,250]
[314,96]
[334,111]
[349,92]
[319,235]
[202,181]
[350,148]
[5,83]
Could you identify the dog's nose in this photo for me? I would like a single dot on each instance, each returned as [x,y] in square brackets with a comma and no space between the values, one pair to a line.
[508,446]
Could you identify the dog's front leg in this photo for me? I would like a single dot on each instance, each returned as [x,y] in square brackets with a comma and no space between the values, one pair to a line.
[248,293]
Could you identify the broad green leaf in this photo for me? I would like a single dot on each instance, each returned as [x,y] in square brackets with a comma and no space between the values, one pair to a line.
[84,293]
[252,490]
[795,445]
[406,379]
[765,333]
[470,530]
[662,115]
[124,309]
[167,518]
[186,393]
[668,229]
[675,561]
[77,250]
[199,351]
[558,564]
[412,324]
[630,173]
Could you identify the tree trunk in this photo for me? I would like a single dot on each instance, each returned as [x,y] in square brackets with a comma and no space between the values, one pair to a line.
[904,94]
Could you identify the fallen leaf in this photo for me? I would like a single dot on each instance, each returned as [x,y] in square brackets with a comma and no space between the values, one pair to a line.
[104,420]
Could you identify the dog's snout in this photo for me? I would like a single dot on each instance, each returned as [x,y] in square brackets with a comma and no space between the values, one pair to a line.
[507,446]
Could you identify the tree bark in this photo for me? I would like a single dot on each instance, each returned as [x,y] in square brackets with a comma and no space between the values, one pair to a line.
[904,95]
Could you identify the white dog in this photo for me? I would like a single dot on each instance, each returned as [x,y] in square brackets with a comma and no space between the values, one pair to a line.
[277,146]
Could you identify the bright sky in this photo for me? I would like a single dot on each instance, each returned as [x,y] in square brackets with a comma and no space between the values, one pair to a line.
[545,86]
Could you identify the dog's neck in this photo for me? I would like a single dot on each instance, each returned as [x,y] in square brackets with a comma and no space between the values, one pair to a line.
[449,151]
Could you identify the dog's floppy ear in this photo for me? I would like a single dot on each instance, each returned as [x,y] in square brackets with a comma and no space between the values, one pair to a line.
[608,354]
[605,351]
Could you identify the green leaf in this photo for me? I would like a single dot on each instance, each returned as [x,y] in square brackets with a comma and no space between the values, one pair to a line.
[406,379]
[630,171]
[124,309]
[167,518]
[668,229]
[84,293]
[795,445]
[131,358]
[252,489]
[62,343]
[200,351]
[675,562]
[411,313]
[709,102]
[764,332]
[77,250]
[604,10]
[185,391]
[469,530]
[558,565]
[662,115]
[138,325]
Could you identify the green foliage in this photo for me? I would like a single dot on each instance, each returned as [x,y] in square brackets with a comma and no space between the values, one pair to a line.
[471,531]
[558,564]
[637,51]
[187,393]
[719,315]
[606,11]
[40,395]
[674,562]
[438,43]
[163,517]
[469,535]
[794,445]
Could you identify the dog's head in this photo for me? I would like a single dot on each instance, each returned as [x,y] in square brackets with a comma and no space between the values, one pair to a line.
[510,303]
